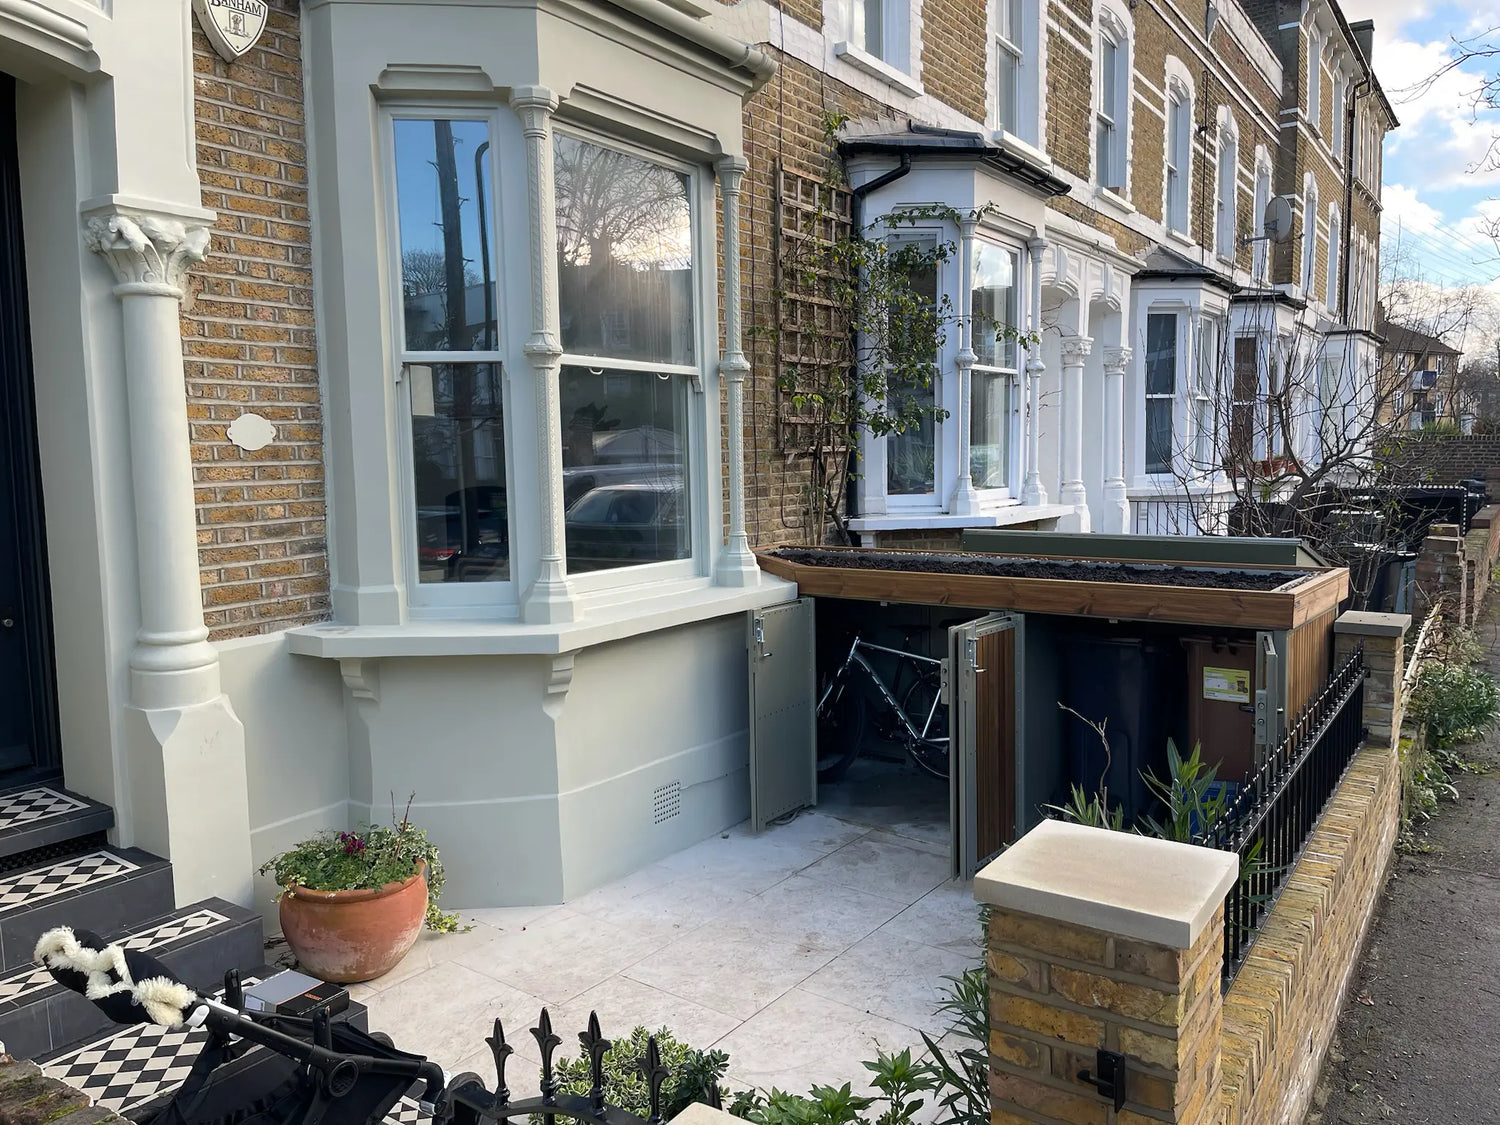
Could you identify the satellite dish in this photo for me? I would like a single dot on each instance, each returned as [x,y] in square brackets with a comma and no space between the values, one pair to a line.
[1277,222]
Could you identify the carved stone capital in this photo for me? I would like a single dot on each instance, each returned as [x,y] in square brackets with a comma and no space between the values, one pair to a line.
[1116,360]
[1036,245]
[148,253]
[734,367]
[534,105]
[1076,349]
[731,170]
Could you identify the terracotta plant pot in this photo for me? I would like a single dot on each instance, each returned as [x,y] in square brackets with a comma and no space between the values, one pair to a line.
[349,936]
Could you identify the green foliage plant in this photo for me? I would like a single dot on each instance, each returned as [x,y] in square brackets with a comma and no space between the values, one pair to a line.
[367,858]
[1454,702]
[692,1074]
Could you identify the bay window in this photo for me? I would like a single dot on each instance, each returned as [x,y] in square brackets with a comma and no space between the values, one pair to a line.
[1206,382]
[994,386]
[1244,400]
[1161,389]
[911,454]
[625,290]
[450,350]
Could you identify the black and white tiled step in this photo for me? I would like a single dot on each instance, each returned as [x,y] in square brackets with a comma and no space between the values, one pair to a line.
[95,890]
[198,943]
[132,1067]
[41,816]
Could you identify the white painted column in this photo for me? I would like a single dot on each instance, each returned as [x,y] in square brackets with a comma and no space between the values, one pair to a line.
[1075,350]
[1033,491]
[736,565]
[185,753]
[550,598]
[965,500]
[1116,501]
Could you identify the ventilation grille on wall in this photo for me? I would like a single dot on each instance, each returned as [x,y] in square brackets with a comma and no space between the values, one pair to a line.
[666,802]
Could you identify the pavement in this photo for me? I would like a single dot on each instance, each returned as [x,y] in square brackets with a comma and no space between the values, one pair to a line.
[1419,1038]
[800,952]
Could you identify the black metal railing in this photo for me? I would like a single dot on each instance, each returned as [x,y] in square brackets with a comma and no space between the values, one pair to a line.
[1268,822]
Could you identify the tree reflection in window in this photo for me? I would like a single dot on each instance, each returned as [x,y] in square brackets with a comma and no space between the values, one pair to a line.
[624,255]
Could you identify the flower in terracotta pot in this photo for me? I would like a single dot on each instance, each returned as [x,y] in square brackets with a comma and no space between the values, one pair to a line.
[352,903]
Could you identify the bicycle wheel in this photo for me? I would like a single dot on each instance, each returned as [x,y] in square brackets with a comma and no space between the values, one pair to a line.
[930,753]
[841,729]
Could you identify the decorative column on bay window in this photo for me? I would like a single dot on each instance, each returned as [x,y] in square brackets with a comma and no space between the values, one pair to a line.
[1034,492]
[1116,500]
[736,564]
[550,599]
[965,498]
[1075,350]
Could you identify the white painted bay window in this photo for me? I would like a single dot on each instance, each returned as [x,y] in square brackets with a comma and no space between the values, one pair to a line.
[1162,348]
[994,380]
[459,527]
[1206,383]
[912,454]
[626,297]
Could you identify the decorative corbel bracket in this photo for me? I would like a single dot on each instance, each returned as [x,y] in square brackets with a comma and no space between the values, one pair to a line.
[362,677]
[559,681]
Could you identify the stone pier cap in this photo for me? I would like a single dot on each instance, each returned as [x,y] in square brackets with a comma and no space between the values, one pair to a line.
[1134,886]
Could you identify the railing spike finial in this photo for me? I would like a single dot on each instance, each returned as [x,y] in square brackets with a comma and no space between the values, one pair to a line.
[502,1052]
[548,1043]
[596,1047]
[655,1074]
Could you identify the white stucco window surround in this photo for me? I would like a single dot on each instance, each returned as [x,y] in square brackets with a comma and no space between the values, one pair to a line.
[1114,60]
[880,37]
[1177,178]
[1227,179]
[1175,393]
[520,309]
[1015,79]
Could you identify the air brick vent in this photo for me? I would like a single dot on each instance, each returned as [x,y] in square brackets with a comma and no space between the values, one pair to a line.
[666,802]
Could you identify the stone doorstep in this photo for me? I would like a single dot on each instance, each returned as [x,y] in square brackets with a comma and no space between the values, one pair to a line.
[26,1094]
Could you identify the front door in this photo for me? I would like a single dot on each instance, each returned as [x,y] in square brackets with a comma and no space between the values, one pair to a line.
[28,713]
[982,726]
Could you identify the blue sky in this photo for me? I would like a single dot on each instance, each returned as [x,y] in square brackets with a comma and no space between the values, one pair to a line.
[1442,186]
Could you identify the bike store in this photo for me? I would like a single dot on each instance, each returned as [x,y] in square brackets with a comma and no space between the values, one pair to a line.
[960,698]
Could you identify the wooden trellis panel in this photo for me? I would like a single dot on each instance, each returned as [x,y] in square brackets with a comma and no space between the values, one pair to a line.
[812,330]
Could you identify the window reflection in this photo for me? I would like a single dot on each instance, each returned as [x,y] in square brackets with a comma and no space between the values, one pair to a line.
[624,255]
[993,309]
[911,455]
[458,455]
[443,191]
[624,440]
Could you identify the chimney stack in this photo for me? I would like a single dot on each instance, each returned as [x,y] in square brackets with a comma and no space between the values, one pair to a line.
[1364,35]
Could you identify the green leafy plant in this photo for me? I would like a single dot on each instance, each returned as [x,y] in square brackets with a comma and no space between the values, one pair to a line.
[1454,702]
[692,1074]
[369,857]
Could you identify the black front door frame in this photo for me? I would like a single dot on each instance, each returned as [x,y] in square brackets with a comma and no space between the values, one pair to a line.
[32,612]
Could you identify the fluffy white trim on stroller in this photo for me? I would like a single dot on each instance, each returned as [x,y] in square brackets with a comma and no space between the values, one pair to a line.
[164,1000]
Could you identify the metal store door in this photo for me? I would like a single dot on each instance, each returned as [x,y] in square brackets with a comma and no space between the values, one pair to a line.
[982,722]
[783,724]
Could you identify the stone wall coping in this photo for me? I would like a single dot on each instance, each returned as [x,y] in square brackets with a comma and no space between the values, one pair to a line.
[699,1114]
[1134,886]
[1367,624]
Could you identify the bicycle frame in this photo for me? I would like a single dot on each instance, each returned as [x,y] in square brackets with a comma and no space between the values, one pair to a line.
[857,657]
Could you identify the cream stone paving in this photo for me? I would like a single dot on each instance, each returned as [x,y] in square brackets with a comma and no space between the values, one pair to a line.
[798,952]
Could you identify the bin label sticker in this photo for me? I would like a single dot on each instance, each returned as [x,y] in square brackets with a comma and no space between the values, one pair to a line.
[1232,685]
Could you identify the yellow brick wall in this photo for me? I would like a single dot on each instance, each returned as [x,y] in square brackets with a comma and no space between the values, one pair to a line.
[1280,1014]
[248,342]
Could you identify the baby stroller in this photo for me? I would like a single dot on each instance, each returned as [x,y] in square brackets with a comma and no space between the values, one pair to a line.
[317,1071]
[314,1071]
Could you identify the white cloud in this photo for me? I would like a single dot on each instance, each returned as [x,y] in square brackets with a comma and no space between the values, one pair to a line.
[1404,209]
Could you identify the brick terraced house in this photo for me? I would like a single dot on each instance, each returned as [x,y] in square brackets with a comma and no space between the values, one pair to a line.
[390,408]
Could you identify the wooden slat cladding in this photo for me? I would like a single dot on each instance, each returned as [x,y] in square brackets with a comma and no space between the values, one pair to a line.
[1311,646]
[1285,608]
[995,742]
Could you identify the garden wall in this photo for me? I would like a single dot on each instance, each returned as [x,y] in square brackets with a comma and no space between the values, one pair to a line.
[1102,939]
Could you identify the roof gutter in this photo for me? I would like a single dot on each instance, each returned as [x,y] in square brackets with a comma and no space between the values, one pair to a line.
[738,55]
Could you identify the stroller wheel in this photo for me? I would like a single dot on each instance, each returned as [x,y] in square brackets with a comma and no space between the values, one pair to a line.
[382,1037]
[467,1078]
